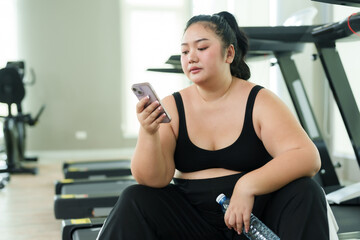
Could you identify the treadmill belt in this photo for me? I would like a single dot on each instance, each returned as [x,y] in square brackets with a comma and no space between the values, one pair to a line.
[102,165]
[347,217]
[102,187]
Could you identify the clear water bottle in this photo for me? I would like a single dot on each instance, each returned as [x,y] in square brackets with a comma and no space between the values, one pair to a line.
[258,230]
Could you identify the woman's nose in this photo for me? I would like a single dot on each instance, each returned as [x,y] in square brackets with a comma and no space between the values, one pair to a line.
[192,57]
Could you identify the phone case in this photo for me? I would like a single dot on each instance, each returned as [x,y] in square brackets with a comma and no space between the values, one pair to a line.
[142,90]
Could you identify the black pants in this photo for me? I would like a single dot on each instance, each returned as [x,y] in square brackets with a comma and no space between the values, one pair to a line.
[188,210]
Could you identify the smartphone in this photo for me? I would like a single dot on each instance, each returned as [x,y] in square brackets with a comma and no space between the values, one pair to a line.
[142,90]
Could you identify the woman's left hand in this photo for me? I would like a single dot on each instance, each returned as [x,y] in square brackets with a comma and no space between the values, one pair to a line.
[239,210]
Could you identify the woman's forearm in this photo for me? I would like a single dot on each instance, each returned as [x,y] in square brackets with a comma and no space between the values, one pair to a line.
[149,166]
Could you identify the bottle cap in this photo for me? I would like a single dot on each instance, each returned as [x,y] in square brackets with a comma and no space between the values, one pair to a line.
[220,197]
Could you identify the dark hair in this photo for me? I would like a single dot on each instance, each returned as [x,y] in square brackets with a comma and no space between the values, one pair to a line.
[225,26]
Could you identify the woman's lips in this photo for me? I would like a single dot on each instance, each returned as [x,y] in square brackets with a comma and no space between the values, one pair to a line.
[195,70]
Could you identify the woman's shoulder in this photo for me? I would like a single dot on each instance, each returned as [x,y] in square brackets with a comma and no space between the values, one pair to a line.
[170,99]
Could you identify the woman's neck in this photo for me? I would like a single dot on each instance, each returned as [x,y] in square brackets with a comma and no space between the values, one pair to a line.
[215,90]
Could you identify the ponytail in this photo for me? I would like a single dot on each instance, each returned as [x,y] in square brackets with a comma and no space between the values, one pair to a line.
[238,67]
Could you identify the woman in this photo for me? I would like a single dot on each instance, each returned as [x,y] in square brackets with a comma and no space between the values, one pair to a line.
[228,136]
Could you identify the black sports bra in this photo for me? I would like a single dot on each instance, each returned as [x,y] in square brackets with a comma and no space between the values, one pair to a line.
[245,154]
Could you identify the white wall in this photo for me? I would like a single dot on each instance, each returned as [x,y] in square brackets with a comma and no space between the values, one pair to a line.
[74,49]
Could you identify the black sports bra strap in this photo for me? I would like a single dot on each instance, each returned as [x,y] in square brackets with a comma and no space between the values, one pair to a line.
[180,108]
[250,103]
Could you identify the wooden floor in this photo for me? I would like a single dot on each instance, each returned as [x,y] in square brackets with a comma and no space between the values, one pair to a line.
[26,205]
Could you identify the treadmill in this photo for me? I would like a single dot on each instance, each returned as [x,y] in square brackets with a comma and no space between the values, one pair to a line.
[354,3]
[81,229]
[283,51]
[4,176]
[96,169]
[324,37]
[88,198]
[325,41]
[4,179]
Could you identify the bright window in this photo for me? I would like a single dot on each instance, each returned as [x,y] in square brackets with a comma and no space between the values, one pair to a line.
[151,33]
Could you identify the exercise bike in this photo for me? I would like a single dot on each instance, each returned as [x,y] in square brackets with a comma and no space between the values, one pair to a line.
[12,91]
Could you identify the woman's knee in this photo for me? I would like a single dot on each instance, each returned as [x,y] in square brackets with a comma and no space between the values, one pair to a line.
[142,196]
[134,194]
[307,186]
[305,190]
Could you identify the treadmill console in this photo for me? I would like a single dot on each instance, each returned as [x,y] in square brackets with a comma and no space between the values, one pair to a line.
[339,29]
[354,3]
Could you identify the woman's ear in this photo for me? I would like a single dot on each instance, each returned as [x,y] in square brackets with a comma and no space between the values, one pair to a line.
[230,54]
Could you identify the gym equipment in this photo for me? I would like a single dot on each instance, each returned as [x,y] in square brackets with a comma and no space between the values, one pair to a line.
[96,169]
[88,198]
[12,91]
[81,229]
[76,186]
[325,38]
[354,3]
[325,41]
[347,214]
[84,205]
[4,179]
[263,37]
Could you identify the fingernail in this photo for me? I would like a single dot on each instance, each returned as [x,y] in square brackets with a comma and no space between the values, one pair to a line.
[239,232]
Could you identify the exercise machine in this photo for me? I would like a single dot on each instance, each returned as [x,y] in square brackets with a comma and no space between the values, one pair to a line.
[12,91]
[325,38]
[88,198]
[325,41]
[4,179]
[4,176]
[84,214]
[96,169]
[354,3]
[81,229]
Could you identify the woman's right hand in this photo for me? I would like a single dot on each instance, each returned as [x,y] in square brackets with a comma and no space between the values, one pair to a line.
[149,116]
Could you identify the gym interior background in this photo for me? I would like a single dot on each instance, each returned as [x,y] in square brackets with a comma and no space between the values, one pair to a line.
[85,54]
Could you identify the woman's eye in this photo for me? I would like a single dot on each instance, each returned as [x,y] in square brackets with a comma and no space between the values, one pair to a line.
[202,49]
[184,52]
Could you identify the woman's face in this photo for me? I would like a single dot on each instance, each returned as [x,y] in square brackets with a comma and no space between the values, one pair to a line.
[201,53]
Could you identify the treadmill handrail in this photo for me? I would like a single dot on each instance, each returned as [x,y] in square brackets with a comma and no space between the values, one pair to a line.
[298,34]
[337,30]
[354,3]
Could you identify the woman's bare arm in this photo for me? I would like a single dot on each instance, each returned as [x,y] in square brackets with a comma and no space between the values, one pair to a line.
[294,156]
[153,161]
